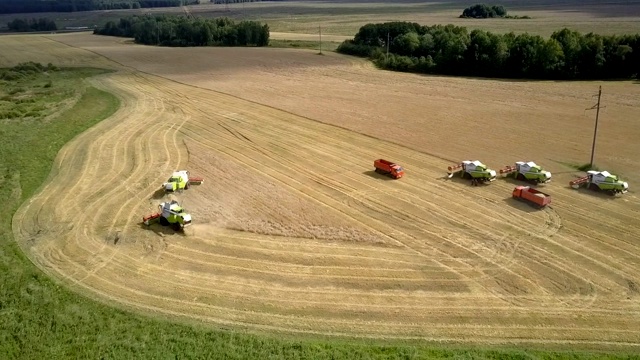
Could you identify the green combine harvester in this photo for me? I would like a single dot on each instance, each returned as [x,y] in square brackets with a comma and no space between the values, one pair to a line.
[527,171]
[170,214]
[474,170]
[180,180]
[601,181]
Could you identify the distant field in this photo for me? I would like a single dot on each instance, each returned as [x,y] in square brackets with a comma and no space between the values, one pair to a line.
[346,17]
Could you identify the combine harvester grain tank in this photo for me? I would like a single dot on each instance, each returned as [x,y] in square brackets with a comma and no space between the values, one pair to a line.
[474,170]
[527,171]
[602,181]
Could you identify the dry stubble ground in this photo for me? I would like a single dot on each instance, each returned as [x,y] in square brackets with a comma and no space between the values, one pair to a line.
[293,230]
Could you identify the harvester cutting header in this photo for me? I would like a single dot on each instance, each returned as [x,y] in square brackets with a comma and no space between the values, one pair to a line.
[527,171]
[474,170]
[180,180]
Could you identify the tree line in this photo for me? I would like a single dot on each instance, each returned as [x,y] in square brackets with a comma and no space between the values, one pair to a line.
[484,11]
[166,30]
[25,25]
[234,1]
[37,6]
[452,50]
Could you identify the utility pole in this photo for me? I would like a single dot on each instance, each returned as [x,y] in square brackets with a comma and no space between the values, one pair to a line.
[388,47]
[320,32]
[595,131]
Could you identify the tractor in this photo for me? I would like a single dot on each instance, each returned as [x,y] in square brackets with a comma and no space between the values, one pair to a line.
[180,180]
[527,171]
[601,181]
[474,170]
[170,214]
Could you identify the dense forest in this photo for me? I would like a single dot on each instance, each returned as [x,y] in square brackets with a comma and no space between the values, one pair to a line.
[37,6]
[24,25]
[182,31]
[452,50]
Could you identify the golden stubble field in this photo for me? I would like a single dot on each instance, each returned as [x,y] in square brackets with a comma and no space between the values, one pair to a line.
[294,231]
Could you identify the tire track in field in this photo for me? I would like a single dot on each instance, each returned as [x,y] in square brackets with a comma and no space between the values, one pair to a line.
[229,130]
[107,195]
[118,173]
[280,283]
[249,165]
[398,326]
[68,175]
[278,176]
[159,111]
[554,229]
[318,177]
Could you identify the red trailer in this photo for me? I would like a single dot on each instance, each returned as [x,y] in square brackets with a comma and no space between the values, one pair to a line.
[532,195]
[388,168]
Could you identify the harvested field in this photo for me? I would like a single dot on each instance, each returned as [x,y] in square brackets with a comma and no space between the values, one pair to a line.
[346,17]
[341,18]
[293,231]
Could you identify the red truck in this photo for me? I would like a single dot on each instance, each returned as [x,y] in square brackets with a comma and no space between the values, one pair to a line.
[532,195]
[388,168]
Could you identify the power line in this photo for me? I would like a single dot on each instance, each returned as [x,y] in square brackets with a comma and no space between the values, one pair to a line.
[388,37]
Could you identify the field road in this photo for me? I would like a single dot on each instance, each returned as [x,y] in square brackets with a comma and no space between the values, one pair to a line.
[294,232]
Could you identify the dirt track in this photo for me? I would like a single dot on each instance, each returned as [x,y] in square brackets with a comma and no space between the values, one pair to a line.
[295,232]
